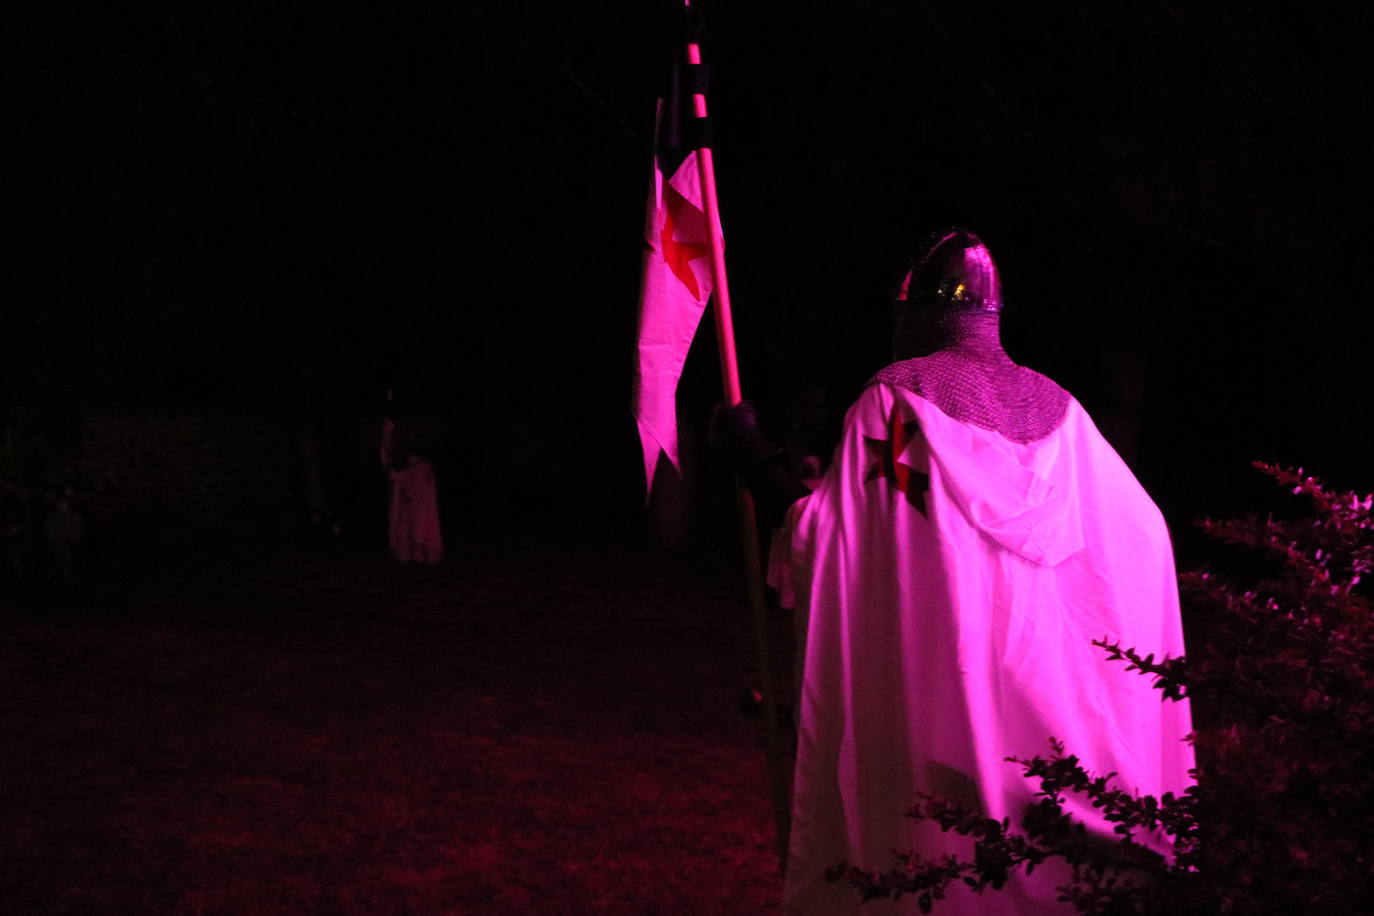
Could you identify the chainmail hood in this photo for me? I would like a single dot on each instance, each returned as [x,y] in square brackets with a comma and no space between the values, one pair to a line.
[966,374]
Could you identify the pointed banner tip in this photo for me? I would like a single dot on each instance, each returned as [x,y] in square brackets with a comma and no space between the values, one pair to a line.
[654,449]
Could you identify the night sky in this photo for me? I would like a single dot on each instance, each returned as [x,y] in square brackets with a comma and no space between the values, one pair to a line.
[211,203]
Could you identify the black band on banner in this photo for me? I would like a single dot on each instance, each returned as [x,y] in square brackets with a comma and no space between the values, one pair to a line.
[697,133]
[696,78]
[694,25]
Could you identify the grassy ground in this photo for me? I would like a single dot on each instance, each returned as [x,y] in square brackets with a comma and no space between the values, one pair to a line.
[541,727]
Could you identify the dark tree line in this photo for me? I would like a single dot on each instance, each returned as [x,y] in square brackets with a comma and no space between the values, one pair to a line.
[213,199]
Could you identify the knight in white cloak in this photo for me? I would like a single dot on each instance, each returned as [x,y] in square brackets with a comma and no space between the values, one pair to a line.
[971,537]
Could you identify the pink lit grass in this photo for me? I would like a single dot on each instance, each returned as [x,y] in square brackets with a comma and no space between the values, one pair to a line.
[351,738]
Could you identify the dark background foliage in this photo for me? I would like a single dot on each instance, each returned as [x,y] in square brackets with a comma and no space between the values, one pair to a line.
[258,207]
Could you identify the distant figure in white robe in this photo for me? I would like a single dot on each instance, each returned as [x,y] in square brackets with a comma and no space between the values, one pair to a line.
[414,533]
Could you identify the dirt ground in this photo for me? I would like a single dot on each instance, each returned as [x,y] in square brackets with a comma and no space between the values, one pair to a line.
[535,726]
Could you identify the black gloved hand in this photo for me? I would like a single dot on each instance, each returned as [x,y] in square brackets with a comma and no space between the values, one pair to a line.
[761,463]
[735,433]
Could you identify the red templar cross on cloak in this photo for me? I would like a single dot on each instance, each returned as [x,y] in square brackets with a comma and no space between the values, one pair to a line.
[891,461]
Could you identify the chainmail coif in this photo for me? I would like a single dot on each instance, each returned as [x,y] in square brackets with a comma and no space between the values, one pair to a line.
[969,377]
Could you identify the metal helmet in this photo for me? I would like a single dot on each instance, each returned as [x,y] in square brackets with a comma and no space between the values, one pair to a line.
[953,277]
[954,271]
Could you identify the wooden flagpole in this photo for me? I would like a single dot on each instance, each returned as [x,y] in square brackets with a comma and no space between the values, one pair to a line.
[748,524]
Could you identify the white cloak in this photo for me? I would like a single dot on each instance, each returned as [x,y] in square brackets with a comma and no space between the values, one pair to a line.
[948,583]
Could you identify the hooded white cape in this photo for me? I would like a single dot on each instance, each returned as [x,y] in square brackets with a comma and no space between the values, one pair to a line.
[948,583]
